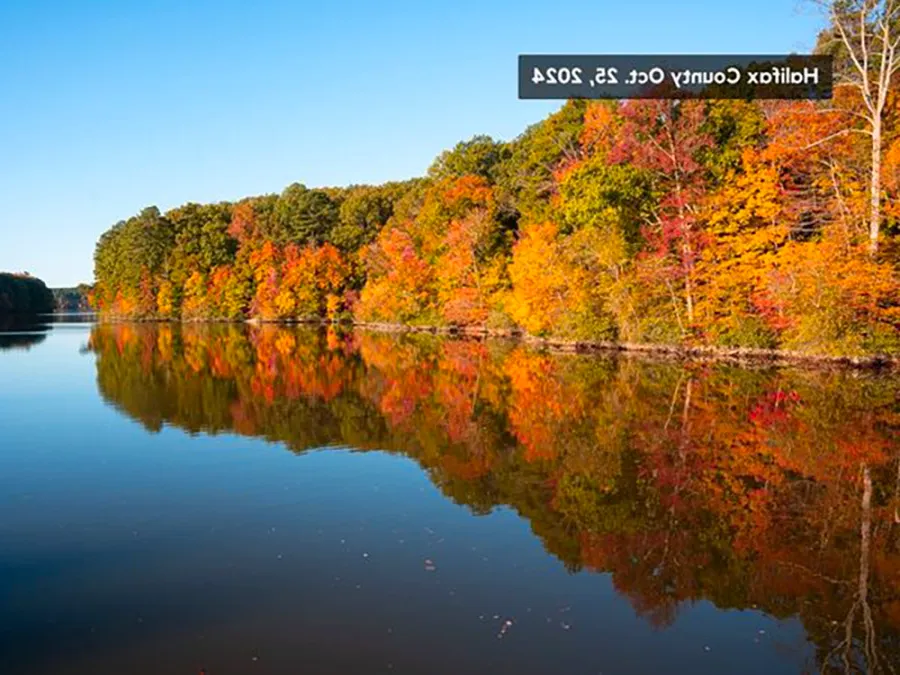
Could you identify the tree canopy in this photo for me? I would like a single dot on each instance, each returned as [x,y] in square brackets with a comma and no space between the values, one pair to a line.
[24,294]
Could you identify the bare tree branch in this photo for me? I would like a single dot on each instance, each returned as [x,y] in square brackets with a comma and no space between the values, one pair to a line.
[867,32]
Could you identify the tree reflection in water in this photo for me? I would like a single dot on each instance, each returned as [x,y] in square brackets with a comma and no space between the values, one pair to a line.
[22,331]
[769,488]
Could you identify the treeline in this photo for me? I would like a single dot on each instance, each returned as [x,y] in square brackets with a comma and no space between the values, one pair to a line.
[72,299]
[731,223]
[24,294]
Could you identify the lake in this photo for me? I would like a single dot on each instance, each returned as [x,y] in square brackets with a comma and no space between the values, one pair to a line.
[292,500]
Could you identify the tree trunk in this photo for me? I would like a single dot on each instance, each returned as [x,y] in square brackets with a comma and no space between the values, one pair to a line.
[686,254]
[875,186]
[689,287]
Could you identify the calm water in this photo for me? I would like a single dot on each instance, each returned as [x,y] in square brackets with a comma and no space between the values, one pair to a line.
[280,500]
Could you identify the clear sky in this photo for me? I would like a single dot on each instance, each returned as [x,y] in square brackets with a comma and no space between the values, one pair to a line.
[107,107]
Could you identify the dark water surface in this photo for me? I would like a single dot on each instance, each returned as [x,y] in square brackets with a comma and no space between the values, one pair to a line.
[281,500]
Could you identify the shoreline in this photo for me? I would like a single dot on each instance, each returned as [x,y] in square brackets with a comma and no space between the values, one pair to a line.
[738,355]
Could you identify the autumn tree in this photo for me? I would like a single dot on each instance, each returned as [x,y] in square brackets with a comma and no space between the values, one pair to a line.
[557,284]
[665,138]
[470,256]
[311,282]
[265,264]
[400,285]
[864,37]
[747,225]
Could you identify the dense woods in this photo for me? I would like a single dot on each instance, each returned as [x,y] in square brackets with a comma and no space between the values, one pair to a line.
[24,294]
[73,299]
[770,489]
[768,224]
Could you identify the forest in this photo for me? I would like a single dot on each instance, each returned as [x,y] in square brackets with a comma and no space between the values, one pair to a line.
[73,299]
[768,224]
[24,294]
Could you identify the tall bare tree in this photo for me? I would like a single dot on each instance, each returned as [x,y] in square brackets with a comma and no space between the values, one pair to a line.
[864,36]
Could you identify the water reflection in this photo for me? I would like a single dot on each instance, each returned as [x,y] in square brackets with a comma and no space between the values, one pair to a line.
[21,331]
[776,489]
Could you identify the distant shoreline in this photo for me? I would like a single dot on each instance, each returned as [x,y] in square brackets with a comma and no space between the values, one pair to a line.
[737,355]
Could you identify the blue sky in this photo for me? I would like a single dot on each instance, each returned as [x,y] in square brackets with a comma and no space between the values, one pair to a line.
[107,107]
